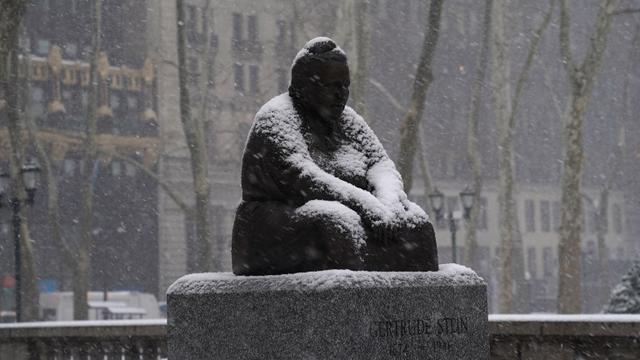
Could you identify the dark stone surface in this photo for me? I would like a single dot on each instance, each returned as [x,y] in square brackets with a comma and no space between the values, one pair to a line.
[306,147]
[334,314]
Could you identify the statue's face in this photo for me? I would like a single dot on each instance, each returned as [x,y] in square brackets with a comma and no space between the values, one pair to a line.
[327,89]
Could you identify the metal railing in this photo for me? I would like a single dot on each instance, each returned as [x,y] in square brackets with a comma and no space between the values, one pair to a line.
[553,336]
[86,340]
[512,337]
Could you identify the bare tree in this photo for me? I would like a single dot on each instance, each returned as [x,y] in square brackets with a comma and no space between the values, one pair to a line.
[471,243]
[83,257]
[502,102]
[506,106]
[613,171]
[424,77]
[10,20]
[581,78]
[194,134]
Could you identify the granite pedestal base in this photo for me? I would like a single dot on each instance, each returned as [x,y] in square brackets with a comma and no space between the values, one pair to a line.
[335,314]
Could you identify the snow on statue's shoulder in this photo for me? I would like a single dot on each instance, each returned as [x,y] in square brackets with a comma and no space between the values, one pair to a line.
[448,275]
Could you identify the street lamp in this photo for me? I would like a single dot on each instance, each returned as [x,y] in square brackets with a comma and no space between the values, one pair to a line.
[30,174]
[468,197]
[436,198]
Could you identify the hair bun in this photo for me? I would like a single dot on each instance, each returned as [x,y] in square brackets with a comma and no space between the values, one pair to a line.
[320,45]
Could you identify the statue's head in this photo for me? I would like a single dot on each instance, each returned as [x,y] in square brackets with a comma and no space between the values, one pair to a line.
[320,78]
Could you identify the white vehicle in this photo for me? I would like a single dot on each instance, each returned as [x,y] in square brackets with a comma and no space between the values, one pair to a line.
[58,306]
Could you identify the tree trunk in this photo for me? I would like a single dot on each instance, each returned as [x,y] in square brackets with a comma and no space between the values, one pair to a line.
[506,107]
[500,70]
[81,270]
[194,135]
[581,80]
[601,234]
[48,174]
[424,77]
[471,243]
[569,252]
[9,69]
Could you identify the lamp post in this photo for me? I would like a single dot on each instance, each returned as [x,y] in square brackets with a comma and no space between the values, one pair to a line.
[436,198]
[29,173]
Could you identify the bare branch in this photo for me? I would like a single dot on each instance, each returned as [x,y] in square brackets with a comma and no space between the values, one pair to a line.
[625,12]
[565,40]
[598,42]
[423,79]
[471,243]
[166,187]
[53,208]
[554,96]
[392,99]
[522,79]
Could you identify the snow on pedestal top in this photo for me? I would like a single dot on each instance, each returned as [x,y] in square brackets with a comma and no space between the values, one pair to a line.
[203,283]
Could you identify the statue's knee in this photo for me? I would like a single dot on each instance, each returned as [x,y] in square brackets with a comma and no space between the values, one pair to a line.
[330,214]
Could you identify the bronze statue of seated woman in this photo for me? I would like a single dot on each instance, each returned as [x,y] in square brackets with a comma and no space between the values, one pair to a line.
[318,190]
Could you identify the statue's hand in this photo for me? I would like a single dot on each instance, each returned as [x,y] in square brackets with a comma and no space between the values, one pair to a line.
[382,229]
[386,235]
[378,221]
[412,214]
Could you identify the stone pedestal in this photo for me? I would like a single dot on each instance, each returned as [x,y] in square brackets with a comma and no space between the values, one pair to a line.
[335,314]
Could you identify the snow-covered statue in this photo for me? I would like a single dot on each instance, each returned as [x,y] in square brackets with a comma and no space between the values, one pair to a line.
[318,190]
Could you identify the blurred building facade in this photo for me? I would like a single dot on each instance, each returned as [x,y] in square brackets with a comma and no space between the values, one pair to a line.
[55,43]
[239,56]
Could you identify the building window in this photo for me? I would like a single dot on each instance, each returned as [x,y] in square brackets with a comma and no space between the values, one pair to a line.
[84,98]
[617,218]
[238,71]
[211,81]
[254,79]
[116,168]
[593,220]
[545,216]
[532,262]
[237,28]
[129,170]
[555,215]
[482,216]
[460,22]
[71,50]
[132,102]
[37,101]
[69,167]
[530,215]
[205,22]
[42,47]
[253,28]
[547,260]
[114,101]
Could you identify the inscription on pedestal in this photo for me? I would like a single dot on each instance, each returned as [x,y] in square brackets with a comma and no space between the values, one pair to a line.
[420,338]
[332,315]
